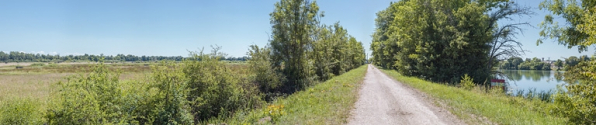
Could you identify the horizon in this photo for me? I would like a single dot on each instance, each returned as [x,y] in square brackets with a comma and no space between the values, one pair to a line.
[174,28]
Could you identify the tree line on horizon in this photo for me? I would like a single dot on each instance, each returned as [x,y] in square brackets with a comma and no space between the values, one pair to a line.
[16,56]
[517,63]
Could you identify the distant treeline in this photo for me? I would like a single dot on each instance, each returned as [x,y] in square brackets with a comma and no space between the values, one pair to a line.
[517,63]
[15,56]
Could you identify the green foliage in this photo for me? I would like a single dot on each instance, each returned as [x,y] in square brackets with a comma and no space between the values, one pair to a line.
[37,64]
[433,40]
[559,64]
[467,82]
[304,51]
[20,111]
[164,100]
[578,103]
[329,102]
[15,56]
[201,87]
[267,79]
[96,98]
[533,64]
[293,23]
[214,89]
[578,29]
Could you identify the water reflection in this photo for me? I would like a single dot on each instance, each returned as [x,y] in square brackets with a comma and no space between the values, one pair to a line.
[541,80]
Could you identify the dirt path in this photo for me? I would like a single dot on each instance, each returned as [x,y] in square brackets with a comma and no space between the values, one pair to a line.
[385,101]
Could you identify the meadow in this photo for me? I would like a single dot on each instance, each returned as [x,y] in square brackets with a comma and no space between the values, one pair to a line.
[32,93]
[35,80]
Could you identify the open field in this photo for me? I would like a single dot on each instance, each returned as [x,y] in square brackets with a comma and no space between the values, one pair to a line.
[36,81]
[38,85]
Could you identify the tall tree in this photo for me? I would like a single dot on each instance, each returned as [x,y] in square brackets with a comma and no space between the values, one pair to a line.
[293,25]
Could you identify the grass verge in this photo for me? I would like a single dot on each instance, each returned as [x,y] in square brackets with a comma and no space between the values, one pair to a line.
[329,102]
[476,106]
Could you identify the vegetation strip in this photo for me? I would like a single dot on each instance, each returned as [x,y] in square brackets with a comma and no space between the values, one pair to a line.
[471,106]
[329,102]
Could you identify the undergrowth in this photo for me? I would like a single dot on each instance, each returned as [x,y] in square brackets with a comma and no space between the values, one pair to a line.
[328,102]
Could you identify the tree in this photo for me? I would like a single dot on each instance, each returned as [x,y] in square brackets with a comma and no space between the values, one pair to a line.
[383,48]
[571,61]
[515,61]
[293,25]
[503,43]
[559,64]
[579,29]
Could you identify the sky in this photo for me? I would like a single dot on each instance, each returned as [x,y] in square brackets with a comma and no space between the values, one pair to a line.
[172,28]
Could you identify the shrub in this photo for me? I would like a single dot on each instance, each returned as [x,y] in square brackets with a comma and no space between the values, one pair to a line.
[96,98]
[266,78]
[578,103]
[37,64]
[20,111]
[201,87]
[214,89]
[467,82]
[167,101]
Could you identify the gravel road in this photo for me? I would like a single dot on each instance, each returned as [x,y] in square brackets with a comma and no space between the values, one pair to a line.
[384,101]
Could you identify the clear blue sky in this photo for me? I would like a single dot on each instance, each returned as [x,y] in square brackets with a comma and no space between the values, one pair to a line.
[170,28]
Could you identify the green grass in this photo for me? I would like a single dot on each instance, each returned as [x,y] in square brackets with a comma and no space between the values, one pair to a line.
[476,106]
[329,102]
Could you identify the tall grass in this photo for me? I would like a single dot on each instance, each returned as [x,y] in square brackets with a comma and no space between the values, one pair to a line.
[329,102]
[532,93]
[475,106]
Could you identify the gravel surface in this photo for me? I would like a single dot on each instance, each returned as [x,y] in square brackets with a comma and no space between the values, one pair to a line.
[385,101]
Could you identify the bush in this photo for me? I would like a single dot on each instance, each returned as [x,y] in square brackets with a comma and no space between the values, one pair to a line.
[96,98]
[578,103]
[467,82]
[37,64]
[20,111]
[214,89]
[166,102]
[266,78]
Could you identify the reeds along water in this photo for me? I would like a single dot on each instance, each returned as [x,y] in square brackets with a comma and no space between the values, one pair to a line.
[532,93]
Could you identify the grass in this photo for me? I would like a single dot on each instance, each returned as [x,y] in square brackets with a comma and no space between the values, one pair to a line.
[477,106]
[329,102]
[33,84]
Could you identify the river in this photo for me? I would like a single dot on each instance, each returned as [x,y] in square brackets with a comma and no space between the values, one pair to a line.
[541,80]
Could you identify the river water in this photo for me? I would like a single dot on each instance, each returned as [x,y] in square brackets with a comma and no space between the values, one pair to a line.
[541,80]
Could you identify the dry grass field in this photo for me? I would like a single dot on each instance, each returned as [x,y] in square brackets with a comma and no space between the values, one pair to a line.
[36,81]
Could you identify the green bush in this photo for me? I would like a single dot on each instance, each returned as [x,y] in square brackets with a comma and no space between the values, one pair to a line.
[37,64]
[467,82]
[267,79]
[201,87]
[214,89]
[166,101]
[20,111]
[96,98]
[578,103]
